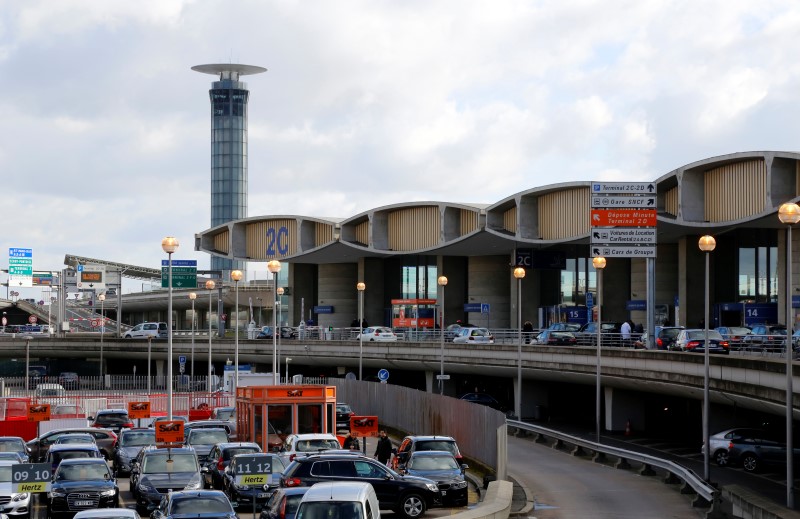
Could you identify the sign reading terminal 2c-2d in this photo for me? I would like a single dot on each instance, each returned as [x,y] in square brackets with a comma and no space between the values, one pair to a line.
[277,241]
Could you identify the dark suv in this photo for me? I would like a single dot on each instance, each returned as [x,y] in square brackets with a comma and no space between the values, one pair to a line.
[425,443]
[114,419]
[157,472]
[406,495]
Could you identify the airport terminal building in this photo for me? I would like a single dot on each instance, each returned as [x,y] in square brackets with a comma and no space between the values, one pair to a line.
[399,251]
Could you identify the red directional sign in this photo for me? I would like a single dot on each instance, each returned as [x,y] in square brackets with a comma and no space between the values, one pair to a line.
[624,217]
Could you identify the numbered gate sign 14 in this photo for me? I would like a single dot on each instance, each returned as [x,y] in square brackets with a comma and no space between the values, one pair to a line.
[31,477]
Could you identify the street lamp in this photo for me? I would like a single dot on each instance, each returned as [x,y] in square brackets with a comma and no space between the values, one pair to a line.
[789,214]
[192,296]
[442,282]
[210,285]
[288,360]
[236,276]
[279,291]
[274,266]
[707,244]
[360,286]
[599,264]
[169,245]
[102,298]
[519,273]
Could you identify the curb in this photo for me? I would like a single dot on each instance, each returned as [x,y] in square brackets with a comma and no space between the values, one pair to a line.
[528,507]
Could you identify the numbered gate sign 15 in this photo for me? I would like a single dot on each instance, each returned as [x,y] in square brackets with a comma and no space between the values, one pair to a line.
[31,477]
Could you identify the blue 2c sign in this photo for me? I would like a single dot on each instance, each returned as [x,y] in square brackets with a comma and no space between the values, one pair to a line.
[277,241]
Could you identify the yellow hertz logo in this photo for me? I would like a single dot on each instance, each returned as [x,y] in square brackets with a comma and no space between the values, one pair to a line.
[258,479]
[40,486]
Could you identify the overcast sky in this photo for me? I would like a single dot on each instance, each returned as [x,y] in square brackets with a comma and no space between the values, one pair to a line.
[104,134]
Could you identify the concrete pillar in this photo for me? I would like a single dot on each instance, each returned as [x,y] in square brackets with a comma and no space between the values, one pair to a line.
[429,385]
[622,407]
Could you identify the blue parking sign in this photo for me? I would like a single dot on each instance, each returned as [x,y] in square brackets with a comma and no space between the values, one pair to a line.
[182,359]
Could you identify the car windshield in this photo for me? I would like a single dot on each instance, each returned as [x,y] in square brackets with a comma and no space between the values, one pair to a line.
[5,474]
[701,335]
[82,472]
[437,445]
[137,438]
[224,414]
[113,418]
[432,463]
[70,455]
[162,462]
[14,445]
[230,453]
[207,436]
[670,333]
[342,408]
[314,445]
[329,510]
[77,438]
[201,505]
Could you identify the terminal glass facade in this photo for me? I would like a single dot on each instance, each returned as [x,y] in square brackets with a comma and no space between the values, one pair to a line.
[758,274]
[419,278]
[577,278]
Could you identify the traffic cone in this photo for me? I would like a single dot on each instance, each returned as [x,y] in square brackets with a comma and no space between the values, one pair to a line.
[628,428]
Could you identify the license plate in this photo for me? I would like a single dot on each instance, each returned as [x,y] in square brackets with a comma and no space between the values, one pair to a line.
[444,492]
[262,494]
[84,503]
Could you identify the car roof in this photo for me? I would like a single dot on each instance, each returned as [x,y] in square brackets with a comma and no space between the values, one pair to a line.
[83,461]
[426,438]
[314,436]
[344,490]
[74,447]
[103,411]
[417,454]
[234,445]
[108,512]
[7,463]
[5,438]
[67,430]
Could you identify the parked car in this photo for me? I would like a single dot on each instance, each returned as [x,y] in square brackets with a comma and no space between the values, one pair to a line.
[58,453]
[283,503]
[377,333]
[754,452]
[15,444]
[300,445]
[49,390]
[241,496]
[208,504]
[473,336]
[341,500]
[412,444]
[564,327]
[587,333]
[13,503]
[735,335]
[442,467]
[82,484]
[160,471]
[105,439]
[265,332]
[666,335]
[67,411]
[766,336]
[129,444]
[409,496]
[220,457]
[203,440]
[555,338]
[147,330]
[69,379]
[114,419]
[720,442]
[343,414]
[208,424]
[694,340]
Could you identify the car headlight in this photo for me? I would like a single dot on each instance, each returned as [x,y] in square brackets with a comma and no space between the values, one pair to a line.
[109,492]
[458,484]
[20,497]
[195,483]
[432,487]
[57,493]
[145,487]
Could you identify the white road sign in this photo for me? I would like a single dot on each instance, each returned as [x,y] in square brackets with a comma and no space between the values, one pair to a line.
[623,201]
[623,235]
[623,188]
[623,251]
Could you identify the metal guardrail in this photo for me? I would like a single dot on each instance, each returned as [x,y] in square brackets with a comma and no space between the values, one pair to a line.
[709,494]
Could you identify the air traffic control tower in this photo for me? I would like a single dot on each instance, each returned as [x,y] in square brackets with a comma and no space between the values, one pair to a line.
[228,148]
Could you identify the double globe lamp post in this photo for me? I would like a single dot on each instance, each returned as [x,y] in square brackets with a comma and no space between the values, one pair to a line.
[442,282]
[360,287]
[169,245]
[707,244]
[519,274]
[599,263]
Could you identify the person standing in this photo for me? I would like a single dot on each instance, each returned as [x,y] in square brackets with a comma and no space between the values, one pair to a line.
[625,331]
[383,451]
[351,443]
[527,331]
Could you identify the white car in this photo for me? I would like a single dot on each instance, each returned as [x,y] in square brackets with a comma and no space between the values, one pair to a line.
[473,336]
[145,330]
[301,445]
[107,513]
[342,499]
[13,503]
[378,333]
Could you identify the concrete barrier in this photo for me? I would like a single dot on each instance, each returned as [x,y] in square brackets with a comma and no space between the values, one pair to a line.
[749,505]
[496,503]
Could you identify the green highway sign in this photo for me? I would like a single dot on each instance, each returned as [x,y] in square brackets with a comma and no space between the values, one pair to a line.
[182,277]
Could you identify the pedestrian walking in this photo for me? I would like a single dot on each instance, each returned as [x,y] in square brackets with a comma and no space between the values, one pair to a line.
[527,331]
[351,443]
[625,331]
[383,451]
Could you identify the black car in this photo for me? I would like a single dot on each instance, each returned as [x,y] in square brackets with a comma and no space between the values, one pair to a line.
[283,503]
[208,504]
[425,443]
[114,419]
[15,444]
[241,496]
[158,472]
[409,496]
[343,414]
[587,333]
[442,467]
[666,335]
[82,484]
[203,440]
[220,457]
[129,444]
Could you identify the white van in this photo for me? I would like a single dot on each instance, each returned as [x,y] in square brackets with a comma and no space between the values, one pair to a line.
[50,390]
[339,500]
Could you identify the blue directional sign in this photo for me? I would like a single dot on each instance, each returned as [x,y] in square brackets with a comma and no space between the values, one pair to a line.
[589,299]
[383,375]
[472,307]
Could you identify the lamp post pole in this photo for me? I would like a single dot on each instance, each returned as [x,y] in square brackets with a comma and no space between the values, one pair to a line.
[519,273]
[260,305]
[360,287]
[149,361]
[790,215]
[442,281]
[707,244]
[236,276]
[599,264]
[210,285]
[27,363]
[288,360]
[192,296]
[274,266]
[102,298]
[169,245]
[279,291]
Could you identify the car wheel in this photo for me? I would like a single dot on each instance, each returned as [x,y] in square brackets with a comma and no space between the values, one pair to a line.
[750,463]
[412,506]
[721,458]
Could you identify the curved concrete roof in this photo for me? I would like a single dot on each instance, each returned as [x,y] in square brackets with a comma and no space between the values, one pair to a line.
[716,194]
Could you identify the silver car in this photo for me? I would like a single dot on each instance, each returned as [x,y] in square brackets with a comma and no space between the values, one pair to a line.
[721,441]
[473,336]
